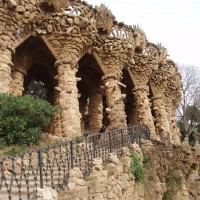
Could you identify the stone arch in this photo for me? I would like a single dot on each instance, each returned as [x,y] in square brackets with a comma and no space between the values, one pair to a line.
[67,18]
[91,98]
[33,60]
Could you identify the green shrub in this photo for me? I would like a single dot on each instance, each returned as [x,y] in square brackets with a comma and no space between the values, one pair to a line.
[23,118]
[2,144]
[16,150]
[137,168]
[173,184]
[147,162]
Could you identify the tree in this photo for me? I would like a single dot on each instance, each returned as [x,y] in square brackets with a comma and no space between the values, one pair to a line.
[189,110]
[37,89]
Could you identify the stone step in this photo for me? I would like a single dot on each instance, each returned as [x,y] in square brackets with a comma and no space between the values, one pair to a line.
[14,197]
[57,179]
[32,182]
[55,173]
[15,190]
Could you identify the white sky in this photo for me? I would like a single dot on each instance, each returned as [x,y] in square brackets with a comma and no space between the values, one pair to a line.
[173,23]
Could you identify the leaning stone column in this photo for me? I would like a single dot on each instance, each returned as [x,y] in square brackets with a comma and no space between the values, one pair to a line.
[17,86]
[56,124]
[95,112]
[171,109]
[5,68]
[175,130]
[114,100]
[161,119]
[83,107]
[143,108]
[68,98]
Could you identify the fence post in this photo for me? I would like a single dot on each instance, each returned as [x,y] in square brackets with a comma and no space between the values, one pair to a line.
[132,134]
[122,136]
[148,133]
[72,155]
[110,145]
[40,166]
[139,142]
[94,145]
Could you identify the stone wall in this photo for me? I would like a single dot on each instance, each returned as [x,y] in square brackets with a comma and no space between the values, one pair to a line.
[110,181]
[171,173]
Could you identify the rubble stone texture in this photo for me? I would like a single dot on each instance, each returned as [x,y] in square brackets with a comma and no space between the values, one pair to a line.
[169,173]
[75,49]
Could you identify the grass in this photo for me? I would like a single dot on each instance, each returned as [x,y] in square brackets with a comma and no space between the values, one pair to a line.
[16,150]
[2,144]
[137,169]
[173,184]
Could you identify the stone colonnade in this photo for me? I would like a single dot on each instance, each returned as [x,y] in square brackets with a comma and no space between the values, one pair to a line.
[68,124]
[72,30]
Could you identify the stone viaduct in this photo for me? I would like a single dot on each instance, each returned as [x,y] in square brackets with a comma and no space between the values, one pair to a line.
[98,70]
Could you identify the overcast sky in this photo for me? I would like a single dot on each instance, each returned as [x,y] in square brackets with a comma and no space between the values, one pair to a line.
[174,23]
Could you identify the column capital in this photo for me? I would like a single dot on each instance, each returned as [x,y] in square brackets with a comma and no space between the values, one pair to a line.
[114,76]
[64,61]
[143,88]
[156,97]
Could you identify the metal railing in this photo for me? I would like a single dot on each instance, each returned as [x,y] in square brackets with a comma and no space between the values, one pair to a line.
[22,174]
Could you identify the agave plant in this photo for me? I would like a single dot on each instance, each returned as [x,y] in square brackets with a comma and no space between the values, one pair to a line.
[160,45]
[137,27]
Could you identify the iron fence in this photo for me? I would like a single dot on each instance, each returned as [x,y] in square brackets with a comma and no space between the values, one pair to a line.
[22,175]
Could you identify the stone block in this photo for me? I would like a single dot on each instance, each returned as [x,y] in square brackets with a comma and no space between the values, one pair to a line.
[45,194]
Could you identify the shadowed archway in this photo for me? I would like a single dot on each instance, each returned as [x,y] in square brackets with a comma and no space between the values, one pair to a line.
[91,100]
[129,100]
[35,60]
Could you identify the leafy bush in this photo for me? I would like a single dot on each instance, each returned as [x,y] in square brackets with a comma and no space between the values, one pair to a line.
[137,168]
[2,143]
[23,118]
[16,150]
[173,184]
[147,162]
